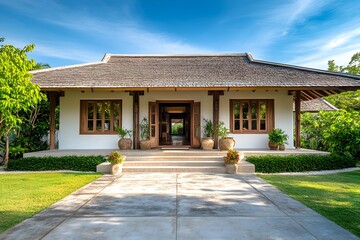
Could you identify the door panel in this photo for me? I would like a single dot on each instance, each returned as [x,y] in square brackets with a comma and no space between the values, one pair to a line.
[154,124]
[196,128]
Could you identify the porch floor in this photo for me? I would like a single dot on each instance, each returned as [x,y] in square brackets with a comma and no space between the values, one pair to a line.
[104,152]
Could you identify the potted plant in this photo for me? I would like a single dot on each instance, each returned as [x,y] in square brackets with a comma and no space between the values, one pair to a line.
[124,143]
[231,160]
[276,137]
[207,142]
[116,159]
[145,143]
[284,138]
[225,142]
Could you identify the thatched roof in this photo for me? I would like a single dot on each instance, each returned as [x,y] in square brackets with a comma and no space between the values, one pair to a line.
[316,105]
[181,72]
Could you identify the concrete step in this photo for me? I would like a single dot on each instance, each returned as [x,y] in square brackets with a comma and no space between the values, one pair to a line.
[207,169]
[174,158]
[173,153]
[173,163]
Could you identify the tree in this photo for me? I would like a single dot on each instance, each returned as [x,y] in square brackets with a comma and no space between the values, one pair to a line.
[39,66]
[346,100]
[17,92]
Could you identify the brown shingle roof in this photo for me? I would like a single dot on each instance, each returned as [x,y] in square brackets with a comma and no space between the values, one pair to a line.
[190,71]
[316,105]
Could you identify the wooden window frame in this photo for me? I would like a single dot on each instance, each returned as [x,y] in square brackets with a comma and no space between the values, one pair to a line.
[269,117]
[84,116]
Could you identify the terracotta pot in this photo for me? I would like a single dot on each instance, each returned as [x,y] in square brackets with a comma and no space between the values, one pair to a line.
[273,146]
[116,168]
[145,144]
[226,143]
[231,168]
[125,143]
[207,143]
[282,147]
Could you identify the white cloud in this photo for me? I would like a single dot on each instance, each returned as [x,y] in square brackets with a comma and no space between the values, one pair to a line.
[341,39]
[338,46]
[126,33]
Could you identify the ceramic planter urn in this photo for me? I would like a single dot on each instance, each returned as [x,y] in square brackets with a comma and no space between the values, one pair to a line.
[207,143]
[226,143]
[125,143]
[282,147]
[145,144]
[273,146]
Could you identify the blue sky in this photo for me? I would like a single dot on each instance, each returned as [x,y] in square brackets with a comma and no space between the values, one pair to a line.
[300,32]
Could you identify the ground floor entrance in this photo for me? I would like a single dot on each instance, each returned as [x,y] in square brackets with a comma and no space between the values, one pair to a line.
[174,123]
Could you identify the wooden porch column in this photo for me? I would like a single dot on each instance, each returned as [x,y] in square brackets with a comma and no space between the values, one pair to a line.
[136,116]
[52,127]
[297,118]
[216,112]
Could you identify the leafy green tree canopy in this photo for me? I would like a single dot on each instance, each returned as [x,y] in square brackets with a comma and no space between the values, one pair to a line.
[17,92]
[346,100]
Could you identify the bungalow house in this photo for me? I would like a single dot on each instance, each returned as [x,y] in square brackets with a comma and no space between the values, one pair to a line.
[250,96]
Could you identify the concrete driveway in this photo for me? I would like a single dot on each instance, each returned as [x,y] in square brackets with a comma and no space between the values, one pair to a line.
[178,206]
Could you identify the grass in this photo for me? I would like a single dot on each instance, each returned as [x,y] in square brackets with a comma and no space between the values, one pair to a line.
[335,196]
[25,194]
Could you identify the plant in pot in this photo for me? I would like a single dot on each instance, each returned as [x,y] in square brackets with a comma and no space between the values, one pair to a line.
[207,142]
[231,160]
[276,137]
[284,138]
[116,159]
[124,143]
[225,142]
[145,143]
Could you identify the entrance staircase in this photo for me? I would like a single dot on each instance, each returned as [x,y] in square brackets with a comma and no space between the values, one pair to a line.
[179,161]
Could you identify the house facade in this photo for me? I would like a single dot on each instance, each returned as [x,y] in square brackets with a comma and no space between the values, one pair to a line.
[176,93]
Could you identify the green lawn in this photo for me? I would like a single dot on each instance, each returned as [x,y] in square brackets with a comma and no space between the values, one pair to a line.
[25,194]
[335,196]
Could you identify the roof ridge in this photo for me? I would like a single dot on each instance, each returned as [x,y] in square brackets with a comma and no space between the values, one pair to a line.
[329,104]
[109,55]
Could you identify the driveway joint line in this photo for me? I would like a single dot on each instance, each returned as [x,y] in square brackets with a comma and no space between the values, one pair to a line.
[291,217]
[81,205]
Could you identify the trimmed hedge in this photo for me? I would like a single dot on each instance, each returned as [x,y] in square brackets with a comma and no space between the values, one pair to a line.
[300,163]
[75,163]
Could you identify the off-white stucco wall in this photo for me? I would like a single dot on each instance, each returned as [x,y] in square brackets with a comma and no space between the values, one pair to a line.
[283,116]
[70,137]
[69,132]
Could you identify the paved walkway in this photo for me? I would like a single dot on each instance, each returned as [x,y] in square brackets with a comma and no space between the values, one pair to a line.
[178,206]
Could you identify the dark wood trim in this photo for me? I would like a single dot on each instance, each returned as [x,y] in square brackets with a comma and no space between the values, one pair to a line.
[297,118]
[269,118]
[52,124]
[136,117]
[84,116]
[216,113]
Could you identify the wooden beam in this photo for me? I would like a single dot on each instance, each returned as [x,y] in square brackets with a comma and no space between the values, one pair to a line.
[136,112]
[52,123]
[216,113]
[297,118]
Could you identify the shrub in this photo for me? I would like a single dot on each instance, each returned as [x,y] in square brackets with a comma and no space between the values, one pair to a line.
[75,163]
[337,132]
[300,163]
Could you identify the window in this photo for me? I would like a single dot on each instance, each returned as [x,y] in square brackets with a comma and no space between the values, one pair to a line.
[100,116]
[251,116]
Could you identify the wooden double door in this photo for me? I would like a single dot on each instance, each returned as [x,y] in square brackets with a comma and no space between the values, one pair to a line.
[175,123]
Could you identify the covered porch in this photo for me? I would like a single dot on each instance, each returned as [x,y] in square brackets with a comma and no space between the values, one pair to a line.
[105,152]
